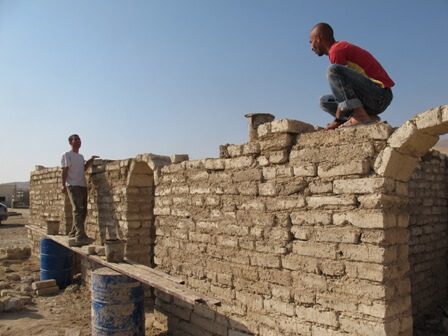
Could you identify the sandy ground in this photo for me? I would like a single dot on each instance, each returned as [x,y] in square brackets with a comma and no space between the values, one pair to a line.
[66,313]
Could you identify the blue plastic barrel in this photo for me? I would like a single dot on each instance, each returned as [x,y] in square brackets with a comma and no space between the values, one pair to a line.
[56,262]
[118,306]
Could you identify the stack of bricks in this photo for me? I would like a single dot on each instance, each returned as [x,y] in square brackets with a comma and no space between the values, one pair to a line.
[294,233]
[428,201]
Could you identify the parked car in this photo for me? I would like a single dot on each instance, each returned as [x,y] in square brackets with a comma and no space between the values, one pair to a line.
[3,212]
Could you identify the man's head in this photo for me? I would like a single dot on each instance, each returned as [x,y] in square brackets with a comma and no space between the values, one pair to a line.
[75,141]
[321,38]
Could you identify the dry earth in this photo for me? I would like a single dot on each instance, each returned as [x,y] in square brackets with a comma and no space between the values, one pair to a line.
[68,312]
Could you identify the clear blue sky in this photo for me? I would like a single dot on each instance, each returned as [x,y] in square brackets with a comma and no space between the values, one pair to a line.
[177,76]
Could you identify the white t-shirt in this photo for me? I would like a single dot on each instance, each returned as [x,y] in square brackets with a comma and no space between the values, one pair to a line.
[75,163]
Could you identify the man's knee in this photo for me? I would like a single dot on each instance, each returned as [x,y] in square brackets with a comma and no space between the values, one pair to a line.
[334,69]
[323,102]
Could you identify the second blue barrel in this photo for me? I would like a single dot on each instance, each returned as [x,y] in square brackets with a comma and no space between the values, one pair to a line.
[118,306]
[56,262]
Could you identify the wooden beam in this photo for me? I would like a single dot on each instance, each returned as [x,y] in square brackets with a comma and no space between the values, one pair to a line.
[150,276]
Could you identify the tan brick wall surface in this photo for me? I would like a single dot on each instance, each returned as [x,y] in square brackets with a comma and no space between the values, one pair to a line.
[428,201]
[297,232]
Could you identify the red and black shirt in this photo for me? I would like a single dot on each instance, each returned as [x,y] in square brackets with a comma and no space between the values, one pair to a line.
[361,60]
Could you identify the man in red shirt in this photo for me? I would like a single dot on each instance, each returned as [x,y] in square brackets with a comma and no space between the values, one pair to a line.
[361,88]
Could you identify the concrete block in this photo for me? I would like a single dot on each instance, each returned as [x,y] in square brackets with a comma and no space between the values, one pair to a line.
[337,234]
[301,233]
[368,253]
[369,328]
[100,250]
[239,163]
[305,170]
[380,201]
[279,307]
[408,140]
[278,204]
[264,260]
[311,217]
[319,187]
[251,148]
[314,249]
[316,315]
[324,201]
[268,189]
[431,122]
[252,301]
[214,164]
[391,163]
[343,169]
[290,126]
[43,284]
[366,219]
[278,157]
[263,130]
[89,250]
[378,131]
[277,142]
[254,174]
[366,185]
[47,291]
[235,150]
[289,326]
[332,268]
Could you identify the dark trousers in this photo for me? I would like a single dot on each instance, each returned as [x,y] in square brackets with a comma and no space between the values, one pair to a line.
[78,199]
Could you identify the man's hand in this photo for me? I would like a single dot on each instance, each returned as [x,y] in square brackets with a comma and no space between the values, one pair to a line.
[89,161]
[333,125]
[64,189]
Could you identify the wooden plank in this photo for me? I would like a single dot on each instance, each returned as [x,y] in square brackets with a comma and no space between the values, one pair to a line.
[154,278]
[156,272]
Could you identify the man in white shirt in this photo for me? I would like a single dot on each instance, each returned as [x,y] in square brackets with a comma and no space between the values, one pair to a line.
[74,182]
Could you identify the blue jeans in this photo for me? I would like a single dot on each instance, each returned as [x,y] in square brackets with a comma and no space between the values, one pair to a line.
[351,90]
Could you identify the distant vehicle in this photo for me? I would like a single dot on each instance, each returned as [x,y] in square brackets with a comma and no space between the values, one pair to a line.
[3,212]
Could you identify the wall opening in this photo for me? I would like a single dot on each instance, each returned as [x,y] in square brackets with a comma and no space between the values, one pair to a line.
[139,214]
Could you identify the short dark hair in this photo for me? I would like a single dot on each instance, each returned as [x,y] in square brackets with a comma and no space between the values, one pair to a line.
[70,138]
[325,29]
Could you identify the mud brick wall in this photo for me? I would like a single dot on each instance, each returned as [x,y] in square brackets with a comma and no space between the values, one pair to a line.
[295,233]
[428,201]
[47,202]
[120,202]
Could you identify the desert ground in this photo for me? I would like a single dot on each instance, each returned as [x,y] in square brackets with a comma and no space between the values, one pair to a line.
[67,313]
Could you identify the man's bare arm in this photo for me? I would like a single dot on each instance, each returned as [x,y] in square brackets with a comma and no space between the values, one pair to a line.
[89,161]
[64,179]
